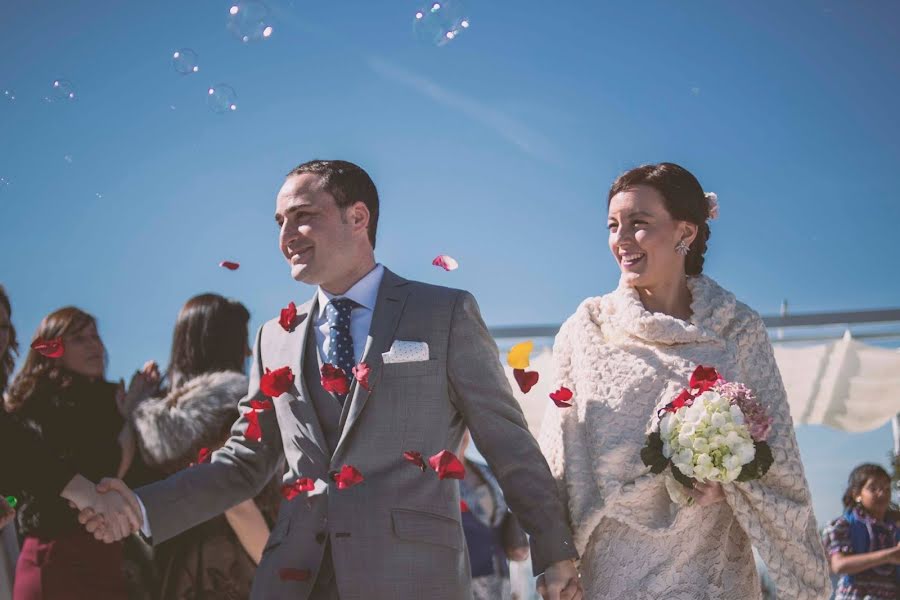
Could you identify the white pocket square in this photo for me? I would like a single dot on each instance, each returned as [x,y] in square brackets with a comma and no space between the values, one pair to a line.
[402,352]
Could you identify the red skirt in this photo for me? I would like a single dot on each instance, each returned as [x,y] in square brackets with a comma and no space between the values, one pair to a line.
[70,567]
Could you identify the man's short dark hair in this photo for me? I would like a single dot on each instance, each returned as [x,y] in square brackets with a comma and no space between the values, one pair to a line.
[348,184]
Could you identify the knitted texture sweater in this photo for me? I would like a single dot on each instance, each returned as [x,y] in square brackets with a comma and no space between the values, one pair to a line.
[623,363]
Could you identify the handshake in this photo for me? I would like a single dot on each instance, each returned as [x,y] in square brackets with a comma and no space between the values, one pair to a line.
[108,510]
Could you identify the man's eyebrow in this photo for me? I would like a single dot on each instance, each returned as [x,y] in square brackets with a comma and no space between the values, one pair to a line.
[293,209]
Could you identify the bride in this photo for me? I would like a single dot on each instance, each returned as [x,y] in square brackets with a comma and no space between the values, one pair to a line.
[627,354]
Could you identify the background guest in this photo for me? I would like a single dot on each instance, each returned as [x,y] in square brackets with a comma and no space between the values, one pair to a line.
[863,544]
[75,415]
[217,559]
[493,534]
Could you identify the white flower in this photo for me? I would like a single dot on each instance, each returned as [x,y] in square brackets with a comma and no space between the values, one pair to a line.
[746,452]
[737,415]
[701,445]
[718,420]
[713,201]
[732,462]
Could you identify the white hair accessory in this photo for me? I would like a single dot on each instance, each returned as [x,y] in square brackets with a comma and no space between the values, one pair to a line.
[713,201]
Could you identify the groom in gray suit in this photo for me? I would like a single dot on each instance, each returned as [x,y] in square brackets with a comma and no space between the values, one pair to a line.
[426,368]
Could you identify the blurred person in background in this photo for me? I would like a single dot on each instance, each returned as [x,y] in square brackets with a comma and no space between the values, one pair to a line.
[183,424]
[72,415]
[863,544]
[493,534]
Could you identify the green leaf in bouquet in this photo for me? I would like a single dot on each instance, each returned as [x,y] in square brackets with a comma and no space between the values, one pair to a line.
[682,478]
[652,454]
[760,464]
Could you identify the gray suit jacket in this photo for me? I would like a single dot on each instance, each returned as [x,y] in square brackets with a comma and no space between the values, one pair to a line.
[397,535]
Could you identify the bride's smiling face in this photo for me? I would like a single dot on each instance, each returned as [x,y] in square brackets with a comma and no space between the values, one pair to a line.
[643,236]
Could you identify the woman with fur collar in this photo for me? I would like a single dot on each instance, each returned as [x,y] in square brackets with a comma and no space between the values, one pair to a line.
[183,425]
[627,354]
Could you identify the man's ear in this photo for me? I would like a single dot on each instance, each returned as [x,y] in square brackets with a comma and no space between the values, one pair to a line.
[359,215]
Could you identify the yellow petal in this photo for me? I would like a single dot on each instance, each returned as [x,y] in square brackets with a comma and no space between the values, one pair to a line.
[518,355]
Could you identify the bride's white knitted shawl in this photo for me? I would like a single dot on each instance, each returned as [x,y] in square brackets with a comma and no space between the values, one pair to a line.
[622,363]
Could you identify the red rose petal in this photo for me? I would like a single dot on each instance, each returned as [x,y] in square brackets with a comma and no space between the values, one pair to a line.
[416,459]
[277,382]
[562,397]
[446,262]
[288,315]
[50,348]
[292,490]
[447,465]
[253,433]
[704,378]
[334,380]
[685,398]
[261,405]
[204,455]
[463,507]
[526,379]
[294,574]
[347,477]
[231,266]
[361,373]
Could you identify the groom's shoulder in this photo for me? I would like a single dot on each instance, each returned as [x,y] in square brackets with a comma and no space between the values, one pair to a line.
[422,291]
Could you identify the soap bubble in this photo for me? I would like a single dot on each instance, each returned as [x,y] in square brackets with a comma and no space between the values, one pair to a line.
[221,98]
[68,158]
[440,22]
[185,61]
[9,95]
[250,20]
[63,90]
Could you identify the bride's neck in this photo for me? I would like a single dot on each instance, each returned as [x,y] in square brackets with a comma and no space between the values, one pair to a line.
[671,298]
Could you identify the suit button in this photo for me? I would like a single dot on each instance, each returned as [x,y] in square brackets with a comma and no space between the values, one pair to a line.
[321,536]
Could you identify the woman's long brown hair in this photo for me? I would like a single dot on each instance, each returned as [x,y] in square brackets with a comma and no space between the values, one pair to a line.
[8,358]
[40,372]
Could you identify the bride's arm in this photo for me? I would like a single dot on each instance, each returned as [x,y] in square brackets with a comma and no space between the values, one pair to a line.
[776,511]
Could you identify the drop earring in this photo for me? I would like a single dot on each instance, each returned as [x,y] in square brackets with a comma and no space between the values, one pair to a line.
[682,249]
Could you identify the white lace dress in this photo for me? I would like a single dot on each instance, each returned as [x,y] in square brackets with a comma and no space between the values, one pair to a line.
[623,363]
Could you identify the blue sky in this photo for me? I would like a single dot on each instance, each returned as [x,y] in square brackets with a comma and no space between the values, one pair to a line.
[496,148]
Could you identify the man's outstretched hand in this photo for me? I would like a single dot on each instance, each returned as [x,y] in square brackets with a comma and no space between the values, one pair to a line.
[560,582]
[113,513]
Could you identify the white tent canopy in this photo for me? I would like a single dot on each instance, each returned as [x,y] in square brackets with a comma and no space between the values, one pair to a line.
[844,384]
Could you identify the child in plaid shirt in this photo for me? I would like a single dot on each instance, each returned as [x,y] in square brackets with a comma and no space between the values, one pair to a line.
[863,544]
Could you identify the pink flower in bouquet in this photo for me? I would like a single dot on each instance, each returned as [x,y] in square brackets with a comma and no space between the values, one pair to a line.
[759,423]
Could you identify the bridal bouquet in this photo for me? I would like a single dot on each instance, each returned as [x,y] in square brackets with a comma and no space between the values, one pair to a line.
[713,431]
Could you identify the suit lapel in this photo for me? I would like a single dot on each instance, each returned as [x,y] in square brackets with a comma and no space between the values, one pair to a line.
[308,418]
[388,308]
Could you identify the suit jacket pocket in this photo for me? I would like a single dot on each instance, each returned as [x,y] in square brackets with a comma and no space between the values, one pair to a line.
[430,528]
[418,368]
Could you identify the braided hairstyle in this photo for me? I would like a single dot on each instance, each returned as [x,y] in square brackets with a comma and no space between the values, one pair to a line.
[683,198]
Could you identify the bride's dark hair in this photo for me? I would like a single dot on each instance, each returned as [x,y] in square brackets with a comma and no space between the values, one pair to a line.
[684,200]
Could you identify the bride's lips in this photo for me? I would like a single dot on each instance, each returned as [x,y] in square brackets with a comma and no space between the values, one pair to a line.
[631,259]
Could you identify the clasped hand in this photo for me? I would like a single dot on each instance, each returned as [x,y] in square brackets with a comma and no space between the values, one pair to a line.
[113,513]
